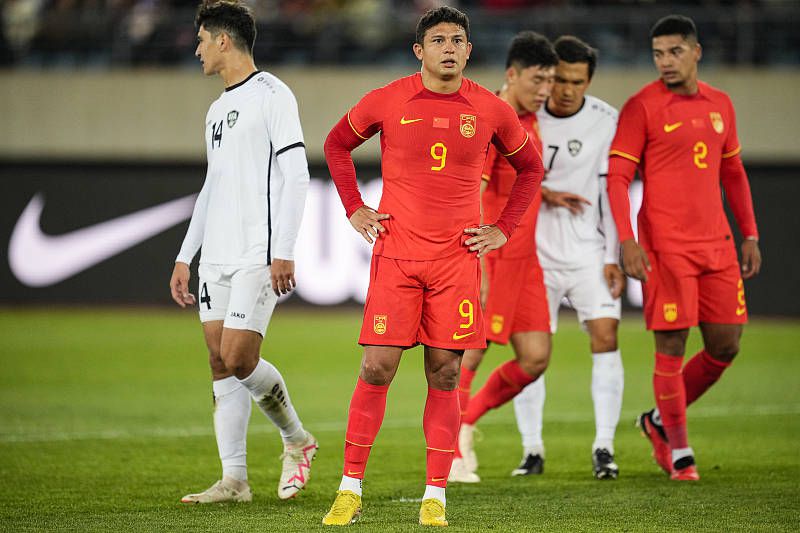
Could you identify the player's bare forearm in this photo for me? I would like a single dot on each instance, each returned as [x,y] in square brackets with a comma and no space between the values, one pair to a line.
[179,285]
[614,278]
[751,258]
[366,221]
[485,239]
[282,274]
[634,260]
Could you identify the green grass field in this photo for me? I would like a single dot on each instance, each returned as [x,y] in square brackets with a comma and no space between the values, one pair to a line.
[105,422]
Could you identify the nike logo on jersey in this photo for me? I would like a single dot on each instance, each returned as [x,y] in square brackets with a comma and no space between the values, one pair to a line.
[459,336]
[672,127]
[404,121]
[39,260]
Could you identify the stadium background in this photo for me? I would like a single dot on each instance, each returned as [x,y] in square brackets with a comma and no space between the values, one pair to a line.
[102,104]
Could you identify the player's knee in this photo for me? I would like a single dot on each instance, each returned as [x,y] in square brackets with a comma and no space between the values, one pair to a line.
[724,351]
[376,373]
[445,378]
[604,341]
[534,364]
[238,363]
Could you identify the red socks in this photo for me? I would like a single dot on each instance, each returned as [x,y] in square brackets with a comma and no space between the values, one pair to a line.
[505,382]
[700,373]
[367,407]
[465,388]
[440,423]
[671,398]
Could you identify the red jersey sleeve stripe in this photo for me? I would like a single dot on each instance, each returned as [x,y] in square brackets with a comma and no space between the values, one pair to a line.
[354,128]
[626,156]
[518,149]
[732,152]
[486,177]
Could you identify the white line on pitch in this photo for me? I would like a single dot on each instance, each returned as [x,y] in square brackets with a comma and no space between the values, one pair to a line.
[261,427]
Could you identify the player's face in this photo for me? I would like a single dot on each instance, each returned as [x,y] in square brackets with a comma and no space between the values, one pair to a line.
[444,51]
[529,88]
[676,59]
[572,80]
[207,51]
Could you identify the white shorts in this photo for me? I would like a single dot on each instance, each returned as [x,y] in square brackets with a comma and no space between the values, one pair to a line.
[240,295]
[586,291]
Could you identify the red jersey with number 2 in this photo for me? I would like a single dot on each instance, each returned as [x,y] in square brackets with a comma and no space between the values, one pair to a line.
[679,143]
[433,148]
[501,177]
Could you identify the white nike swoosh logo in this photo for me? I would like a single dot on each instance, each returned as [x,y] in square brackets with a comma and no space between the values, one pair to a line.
[39,260]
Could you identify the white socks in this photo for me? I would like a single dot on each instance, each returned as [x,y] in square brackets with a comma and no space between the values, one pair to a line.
[435,492]
[269,391]
[353,484]
[607,386]
[528,408]
[231,415]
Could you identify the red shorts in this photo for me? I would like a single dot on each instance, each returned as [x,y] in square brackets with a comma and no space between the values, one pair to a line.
[699,286]
[517,298]
[434,303]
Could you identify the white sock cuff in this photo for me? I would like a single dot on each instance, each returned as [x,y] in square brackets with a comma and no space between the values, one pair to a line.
[261,368]
[225,386]
[352,484]
[432,491]
[607,357]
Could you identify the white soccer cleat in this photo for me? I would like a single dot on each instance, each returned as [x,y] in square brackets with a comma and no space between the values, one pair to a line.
[296,467]
[465,446]
[226,489]
[460,474]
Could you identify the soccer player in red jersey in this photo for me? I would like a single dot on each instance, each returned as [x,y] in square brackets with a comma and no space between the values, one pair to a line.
[681,135]
[435,129]
[513,291]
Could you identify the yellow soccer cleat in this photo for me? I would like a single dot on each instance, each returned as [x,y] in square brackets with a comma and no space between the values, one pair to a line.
[431,513]
[346,509]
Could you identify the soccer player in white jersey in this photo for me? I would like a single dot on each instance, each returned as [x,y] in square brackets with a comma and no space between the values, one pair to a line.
[246,219]
[578,248]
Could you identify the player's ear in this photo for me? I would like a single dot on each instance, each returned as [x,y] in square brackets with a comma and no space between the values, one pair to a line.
[698,50]
[469,49]
[511,74]
[417,50]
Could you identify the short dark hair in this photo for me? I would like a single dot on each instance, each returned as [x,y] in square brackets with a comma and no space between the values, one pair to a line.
[432,17]
[674,25]
[230,17]
[531,49]
[570,49]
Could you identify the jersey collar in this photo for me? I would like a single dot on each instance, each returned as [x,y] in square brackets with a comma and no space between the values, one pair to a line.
[232,87]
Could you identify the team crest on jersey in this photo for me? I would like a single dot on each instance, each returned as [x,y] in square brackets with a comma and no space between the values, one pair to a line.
[468,125]
[232,116]
[574,146]
[379,324]
[716,121]
[497,324]
[671,312]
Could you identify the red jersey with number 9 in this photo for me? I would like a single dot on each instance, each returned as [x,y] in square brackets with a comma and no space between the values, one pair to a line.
[433,148]
[679,143]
